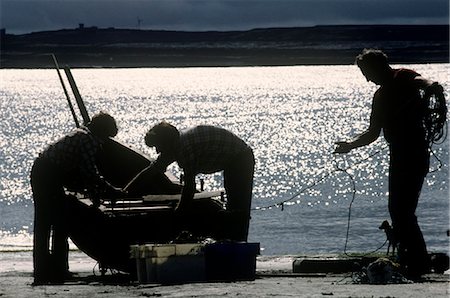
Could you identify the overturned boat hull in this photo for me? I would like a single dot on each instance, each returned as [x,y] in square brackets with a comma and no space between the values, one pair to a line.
[106,233]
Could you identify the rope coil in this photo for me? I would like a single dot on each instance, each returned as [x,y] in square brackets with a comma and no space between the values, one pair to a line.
[435,118]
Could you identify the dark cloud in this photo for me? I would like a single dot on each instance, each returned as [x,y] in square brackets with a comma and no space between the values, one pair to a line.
[22,16]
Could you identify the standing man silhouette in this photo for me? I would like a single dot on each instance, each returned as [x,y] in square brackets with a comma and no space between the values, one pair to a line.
[398,109]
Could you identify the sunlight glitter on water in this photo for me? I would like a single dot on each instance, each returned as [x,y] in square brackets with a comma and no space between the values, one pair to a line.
[290,116]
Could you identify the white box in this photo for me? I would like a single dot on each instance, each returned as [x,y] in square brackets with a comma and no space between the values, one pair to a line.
[169,263]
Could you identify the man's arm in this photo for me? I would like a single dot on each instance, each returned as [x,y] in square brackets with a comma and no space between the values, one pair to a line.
[98,188]
[159,166]
[363,139]
[367,137]
[187,194]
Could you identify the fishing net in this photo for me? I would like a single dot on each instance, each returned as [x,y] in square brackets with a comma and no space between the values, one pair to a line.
[435,117]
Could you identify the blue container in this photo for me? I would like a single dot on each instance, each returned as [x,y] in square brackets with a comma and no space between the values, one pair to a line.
[230,261]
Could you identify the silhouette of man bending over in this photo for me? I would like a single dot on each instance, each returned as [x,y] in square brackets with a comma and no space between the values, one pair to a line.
[69,162]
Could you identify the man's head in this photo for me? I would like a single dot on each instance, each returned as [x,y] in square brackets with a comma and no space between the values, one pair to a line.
[163,136]
[374,66]
[103,126]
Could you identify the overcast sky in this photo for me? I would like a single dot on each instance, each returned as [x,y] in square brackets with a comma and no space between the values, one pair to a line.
[23,16]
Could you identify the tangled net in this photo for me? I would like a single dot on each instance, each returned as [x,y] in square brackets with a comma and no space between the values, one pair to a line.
[435,118]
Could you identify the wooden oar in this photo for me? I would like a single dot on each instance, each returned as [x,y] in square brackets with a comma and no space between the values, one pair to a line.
[77,95]
[77,123]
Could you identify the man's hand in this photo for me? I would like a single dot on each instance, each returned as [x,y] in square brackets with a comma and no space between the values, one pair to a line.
[96,201]
[113,194]
[182,206]
[343,147]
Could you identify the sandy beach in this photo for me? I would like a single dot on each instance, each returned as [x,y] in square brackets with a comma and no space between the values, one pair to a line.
[274,279]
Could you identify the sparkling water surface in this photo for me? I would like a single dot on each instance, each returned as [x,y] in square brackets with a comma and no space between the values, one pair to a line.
[290,116]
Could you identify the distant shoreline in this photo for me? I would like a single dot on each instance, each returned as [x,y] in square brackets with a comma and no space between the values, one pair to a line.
[321,45]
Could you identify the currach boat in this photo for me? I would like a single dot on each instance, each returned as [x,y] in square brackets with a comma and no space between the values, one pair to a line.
[106,233]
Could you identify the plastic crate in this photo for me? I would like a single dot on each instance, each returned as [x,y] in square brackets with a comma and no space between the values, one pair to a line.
[169,263]
[195,262]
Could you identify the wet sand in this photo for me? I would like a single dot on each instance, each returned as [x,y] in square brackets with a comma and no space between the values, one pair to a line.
[274,279]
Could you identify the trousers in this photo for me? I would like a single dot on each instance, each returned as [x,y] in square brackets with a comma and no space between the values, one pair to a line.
[238,183]
[407,170]
[50,243]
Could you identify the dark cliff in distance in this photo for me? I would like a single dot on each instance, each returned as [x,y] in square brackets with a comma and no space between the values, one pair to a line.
[110,47]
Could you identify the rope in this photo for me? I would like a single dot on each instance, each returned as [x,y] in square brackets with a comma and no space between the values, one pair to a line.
[435,118]
[434,122]
[281,203]
[354,190]
[352,179]
[438,160]
[349,207]
[336,169]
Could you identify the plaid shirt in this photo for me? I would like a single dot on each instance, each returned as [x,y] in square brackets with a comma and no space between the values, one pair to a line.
[208,149]
[75,154]
[204,149]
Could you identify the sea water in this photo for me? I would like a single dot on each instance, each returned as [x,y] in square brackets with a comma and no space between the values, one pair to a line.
[306,199]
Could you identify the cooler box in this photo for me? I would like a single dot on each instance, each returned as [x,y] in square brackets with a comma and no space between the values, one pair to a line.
[169,263]
[195,262]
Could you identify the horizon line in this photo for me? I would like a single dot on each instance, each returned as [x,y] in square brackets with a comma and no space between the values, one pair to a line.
[82,27]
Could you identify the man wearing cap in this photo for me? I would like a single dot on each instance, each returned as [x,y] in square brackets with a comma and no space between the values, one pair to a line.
[206,149]
[68,163]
